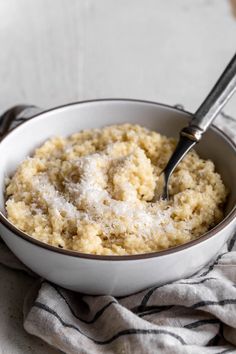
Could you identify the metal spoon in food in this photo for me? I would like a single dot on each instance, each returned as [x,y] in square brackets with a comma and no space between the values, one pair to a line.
[204,116]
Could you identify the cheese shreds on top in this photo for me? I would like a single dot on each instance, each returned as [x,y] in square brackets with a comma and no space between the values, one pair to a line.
[92,192]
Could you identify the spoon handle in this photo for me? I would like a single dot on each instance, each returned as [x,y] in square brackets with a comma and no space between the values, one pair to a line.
[217,98]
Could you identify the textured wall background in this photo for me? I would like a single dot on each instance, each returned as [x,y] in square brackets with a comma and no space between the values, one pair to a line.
[53,52]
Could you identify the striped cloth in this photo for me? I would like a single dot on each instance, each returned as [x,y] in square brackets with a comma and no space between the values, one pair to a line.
[193,315]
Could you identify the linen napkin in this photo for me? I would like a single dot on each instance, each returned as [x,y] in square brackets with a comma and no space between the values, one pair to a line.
[193,315]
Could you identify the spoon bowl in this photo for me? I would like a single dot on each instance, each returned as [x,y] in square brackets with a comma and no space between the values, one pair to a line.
[202,119]
[118,275]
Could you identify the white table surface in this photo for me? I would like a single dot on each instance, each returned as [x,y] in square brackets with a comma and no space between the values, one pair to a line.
[54,52]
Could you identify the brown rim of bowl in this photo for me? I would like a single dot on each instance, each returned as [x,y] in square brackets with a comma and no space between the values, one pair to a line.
[219,227]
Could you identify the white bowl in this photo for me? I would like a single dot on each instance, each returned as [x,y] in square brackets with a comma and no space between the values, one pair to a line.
[116,275]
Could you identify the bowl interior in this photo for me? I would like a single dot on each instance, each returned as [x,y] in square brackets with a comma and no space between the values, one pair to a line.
[66,120]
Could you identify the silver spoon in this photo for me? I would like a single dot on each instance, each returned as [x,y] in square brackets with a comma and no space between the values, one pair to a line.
[204,116]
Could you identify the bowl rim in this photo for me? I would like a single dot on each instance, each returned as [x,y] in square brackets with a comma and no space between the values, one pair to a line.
[209,234]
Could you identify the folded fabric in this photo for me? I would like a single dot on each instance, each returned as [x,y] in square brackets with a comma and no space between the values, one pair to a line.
[193,315]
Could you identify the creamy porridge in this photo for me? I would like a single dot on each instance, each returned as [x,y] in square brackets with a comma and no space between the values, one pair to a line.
[91,193]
